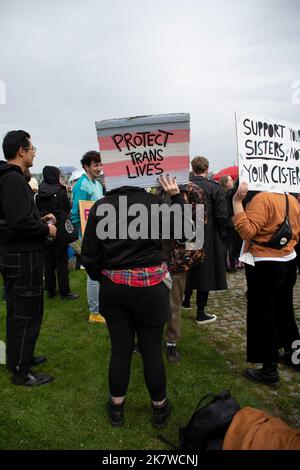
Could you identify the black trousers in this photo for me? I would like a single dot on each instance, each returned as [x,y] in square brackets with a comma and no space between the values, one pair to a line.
[56,261]
[201,298]
[270,313]
[229,251]
[129,311]
[23,283]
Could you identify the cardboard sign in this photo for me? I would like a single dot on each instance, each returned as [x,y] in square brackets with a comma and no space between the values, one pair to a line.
[269,153]
[84,210]
[136,151]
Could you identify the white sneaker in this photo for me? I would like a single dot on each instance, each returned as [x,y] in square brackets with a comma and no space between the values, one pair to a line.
[205,318]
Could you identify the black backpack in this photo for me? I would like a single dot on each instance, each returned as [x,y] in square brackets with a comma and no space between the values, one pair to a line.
[208,425]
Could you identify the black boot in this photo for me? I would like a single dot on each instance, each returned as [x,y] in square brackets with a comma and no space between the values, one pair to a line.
[160,414]
[268,374]
[115,413]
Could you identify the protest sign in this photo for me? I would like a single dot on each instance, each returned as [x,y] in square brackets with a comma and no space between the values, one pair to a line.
[136,151]
[269,153]
[84,210]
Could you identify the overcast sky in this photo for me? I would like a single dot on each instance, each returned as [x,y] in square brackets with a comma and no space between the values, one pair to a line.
[69,63]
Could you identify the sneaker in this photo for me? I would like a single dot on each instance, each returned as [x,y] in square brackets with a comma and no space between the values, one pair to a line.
[186,304]
[173,355]
[115,413]
[268,374]
[204,318]
[31,379]
[161,414]
[96,318]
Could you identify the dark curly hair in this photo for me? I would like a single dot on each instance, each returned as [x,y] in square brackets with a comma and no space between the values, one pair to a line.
[89,157]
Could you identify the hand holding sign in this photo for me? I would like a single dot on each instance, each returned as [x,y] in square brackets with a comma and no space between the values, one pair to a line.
[241,192]
[169,185]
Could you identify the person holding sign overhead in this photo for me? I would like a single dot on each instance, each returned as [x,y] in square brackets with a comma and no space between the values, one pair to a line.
[135,290]
[270,265]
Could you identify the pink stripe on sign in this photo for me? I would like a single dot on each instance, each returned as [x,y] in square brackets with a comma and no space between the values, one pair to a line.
[143,139]
[169,164]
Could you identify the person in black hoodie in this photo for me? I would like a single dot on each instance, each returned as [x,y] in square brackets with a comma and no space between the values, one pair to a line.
[135,296]
[53,198]
[22,239]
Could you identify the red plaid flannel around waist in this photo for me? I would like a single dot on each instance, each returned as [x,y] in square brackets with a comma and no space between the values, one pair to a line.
[138,277]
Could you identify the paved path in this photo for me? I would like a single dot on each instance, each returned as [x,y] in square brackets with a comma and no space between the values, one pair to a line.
[229,336]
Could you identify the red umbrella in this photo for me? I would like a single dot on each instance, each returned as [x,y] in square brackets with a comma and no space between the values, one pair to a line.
[232,171]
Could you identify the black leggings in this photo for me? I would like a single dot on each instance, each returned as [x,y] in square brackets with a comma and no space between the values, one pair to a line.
[129,311]
[122,334]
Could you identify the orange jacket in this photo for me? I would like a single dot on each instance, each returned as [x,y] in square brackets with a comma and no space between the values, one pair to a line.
[263,216]
[253,429]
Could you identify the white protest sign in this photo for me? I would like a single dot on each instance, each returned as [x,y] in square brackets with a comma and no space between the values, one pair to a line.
[136,151]
[269,153]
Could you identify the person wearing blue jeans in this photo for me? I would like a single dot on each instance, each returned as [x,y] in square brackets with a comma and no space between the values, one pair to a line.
[88,188]
[93,290]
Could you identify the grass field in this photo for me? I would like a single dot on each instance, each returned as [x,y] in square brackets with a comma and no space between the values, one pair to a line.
[70,412]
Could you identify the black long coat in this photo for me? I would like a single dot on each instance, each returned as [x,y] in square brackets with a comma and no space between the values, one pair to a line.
[211,274]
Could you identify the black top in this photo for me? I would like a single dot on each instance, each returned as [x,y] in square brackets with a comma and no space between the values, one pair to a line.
[216,203]
[121,253]
[53,198]
[21,228]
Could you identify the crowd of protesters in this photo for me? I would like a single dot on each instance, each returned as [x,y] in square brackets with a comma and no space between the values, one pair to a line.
[138,286]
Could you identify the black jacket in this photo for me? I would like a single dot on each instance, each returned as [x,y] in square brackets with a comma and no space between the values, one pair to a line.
[53,198]
[120,253]
[21,228]
[211,275]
